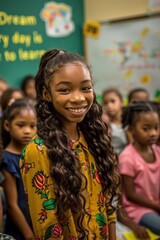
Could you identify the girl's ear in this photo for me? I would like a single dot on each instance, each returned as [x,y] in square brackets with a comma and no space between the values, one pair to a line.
[46,95]
[6,125]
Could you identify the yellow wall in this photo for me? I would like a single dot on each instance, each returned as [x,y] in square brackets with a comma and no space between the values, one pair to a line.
[103,10]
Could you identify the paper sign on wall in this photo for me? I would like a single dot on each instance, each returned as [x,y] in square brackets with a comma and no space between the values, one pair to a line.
[58,19]
[91,29]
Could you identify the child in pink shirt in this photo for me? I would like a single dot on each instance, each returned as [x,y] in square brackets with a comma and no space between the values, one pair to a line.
[140,166]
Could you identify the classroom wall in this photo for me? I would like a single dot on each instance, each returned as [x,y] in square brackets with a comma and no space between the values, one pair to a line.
[103,10]
[124,24]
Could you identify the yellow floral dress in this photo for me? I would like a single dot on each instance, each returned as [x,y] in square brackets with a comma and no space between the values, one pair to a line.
[39,188]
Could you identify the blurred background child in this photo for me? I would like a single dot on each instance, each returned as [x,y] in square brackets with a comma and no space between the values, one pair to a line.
[140,166]
[3,86]
[28,86]
[112,103]
[138,94]
[18,127]
[9,96]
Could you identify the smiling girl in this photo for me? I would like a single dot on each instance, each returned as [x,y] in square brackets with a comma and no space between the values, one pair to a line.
[71,189]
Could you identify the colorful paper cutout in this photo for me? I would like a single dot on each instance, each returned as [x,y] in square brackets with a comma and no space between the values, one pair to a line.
[58,19]
[145,79]
[91,29]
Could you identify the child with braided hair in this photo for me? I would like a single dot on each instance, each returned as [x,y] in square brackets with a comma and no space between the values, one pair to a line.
[140,166]
[74,180]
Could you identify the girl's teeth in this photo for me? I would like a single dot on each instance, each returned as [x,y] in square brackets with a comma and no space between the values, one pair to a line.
[76,110]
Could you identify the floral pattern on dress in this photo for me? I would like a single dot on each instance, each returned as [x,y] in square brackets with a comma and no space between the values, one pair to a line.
[39,186]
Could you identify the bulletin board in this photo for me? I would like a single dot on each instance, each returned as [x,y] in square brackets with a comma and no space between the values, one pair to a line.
[126,54]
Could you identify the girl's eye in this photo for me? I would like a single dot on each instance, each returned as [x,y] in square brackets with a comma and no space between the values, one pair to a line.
[87,89]
[20,125]
[64,90]
[33,126]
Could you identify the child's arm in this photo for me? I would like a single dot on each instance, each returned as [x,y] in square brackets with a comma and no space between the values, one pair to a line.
[112,231]
[133,196]
[15,212]
[138,230]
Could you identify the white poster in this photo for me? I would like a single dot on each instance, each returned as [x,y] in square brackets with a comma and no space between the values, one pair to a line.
[126,55]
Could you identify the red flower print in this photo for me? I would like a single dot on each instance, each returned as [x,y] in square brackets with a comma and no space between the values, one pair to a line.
[104,230]
[72,238]
[27,166]
[95,174]
[101,198]
[97,177]
[40,182]
[63,221]
[56,230]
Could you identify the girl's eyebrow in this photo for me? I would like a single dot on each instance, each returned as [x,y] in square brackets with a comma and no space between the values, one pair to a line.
[66,82]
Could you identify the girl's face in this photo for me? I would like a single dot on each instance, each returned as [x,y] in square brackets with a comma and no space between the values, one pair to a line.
[30,90]
[71,93]
[146,128]
[139,96]
[112,104]
[23,127]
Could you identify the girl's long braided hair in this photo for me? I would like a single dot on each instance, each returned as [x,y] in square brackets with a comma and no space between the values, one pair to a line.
[65,168]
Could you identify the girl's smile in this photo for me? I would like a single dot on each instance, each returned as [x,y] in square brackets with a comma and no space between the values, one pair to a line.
[77,111]
[71,93]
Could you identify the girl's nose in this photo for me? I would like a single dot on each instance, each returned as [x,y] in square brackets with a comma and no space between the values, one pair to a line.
[77,97]
[27,130]
[153,132]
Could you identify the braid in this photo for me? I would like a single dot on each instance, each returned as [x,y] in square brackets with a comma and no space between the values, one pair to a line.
[131,111]
[96,134]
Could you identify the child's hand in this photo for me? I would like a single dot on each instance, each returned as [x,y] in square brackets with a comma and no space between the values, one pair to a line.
[140,232]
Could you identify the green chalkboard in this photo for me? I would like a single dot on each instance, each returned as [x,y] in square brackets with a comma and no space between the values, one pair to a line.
[24,36]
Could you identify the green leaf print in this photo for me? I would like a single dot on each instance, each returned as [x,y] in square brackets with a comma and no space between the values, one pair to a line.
[50,204]
[78,150]
[48,232]
[23,153]
[44,195]
[38,141]
[101,219]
